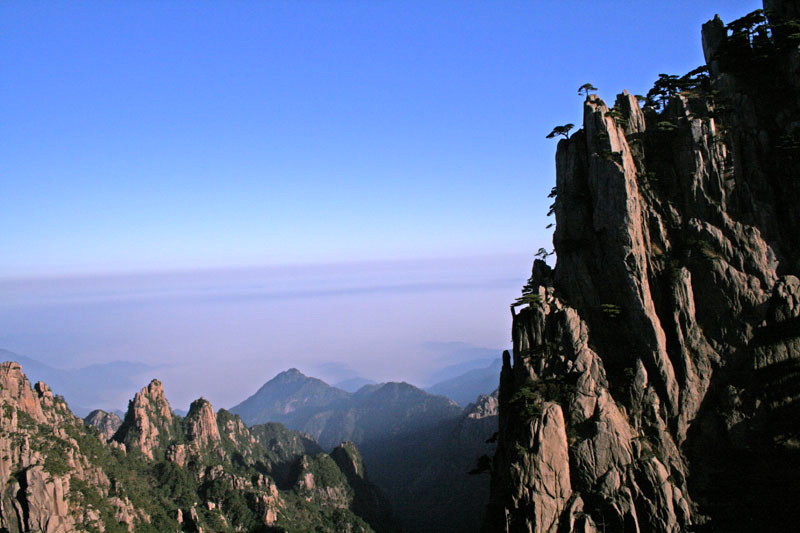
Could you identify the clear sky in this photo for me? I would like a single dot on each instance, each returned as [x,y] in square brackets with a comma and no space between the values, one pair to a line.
[163,135]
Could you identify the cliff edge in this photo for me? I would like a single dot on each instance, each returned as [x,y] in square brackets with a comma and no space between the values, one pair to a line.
[656,369]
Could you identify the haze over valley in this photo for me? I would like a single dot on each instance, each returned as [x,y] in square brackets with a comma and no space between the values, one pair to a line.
[222,334]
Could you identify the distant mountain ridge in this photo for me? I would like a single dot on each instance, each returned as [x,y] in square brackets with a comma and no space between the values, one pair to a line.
[288,397]
[417,446]
[353,384]
[332,415]
[465,388]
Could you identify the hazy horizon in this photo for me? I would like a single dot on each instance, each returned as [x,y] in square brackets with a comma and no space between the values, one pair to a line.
[221,334]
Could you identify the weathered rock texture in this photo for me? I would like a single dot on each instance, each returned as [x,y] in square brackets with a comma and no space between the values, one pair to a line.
[161,472]
[43,467]
[106,423]
[656,368]
[149,423]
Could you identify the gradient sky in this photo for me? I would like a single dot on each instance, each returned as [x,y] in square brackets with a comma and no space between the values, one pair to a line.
[165,164]
[163,135]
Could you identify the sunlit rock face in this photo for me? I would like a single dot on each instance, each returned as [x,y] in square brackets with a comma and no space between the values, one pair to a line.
[149,423]
[44,465]
[161,472]
[654,377]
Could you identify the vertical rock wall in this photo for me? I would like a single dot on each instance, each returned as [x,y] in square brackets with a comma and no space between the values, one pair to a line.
[655,377]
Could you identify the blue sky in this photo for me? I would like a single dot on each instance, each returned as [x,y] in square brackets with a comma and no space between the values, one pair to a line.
[172,135]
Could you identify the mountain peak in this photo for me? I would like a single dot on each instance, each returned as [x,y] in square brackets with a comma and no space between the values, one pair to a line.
[399,389]
[11,376]
[16,390]
[201,424]
[148,422]
[199,406]
[292,373]
[288,392]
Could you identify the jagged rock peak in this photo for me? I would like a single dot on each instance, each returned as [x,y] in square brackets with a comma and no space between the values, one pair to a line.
[201,423]
[16,389]
[485,406]
[60,478]
[153,395]
[41,460]
[154,389]
[37,402]
[149,424]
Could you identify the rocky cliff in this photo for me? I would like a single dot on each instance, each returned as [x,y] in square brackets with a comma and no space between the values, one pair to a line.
[655,371]
[51,479]
[149,423]
[160,472]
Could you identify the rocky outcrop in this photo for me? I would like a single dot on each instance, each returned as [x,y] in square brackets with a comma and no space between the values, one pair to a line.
[201,436]
[201,425]
[486,406]
[149,424]
[654,372]
[31,499]
[318,479]
[206,472]
[106,423]
[43,464]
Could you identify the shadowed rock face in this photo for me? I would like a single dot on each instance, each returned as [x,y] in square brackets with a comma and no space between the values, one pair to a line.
[653,384]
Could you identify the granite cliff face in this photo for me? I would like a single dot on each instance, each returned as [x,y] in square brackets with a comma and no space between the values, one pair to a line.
[160,472]
[656,369]
[46,468]
[148,422]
